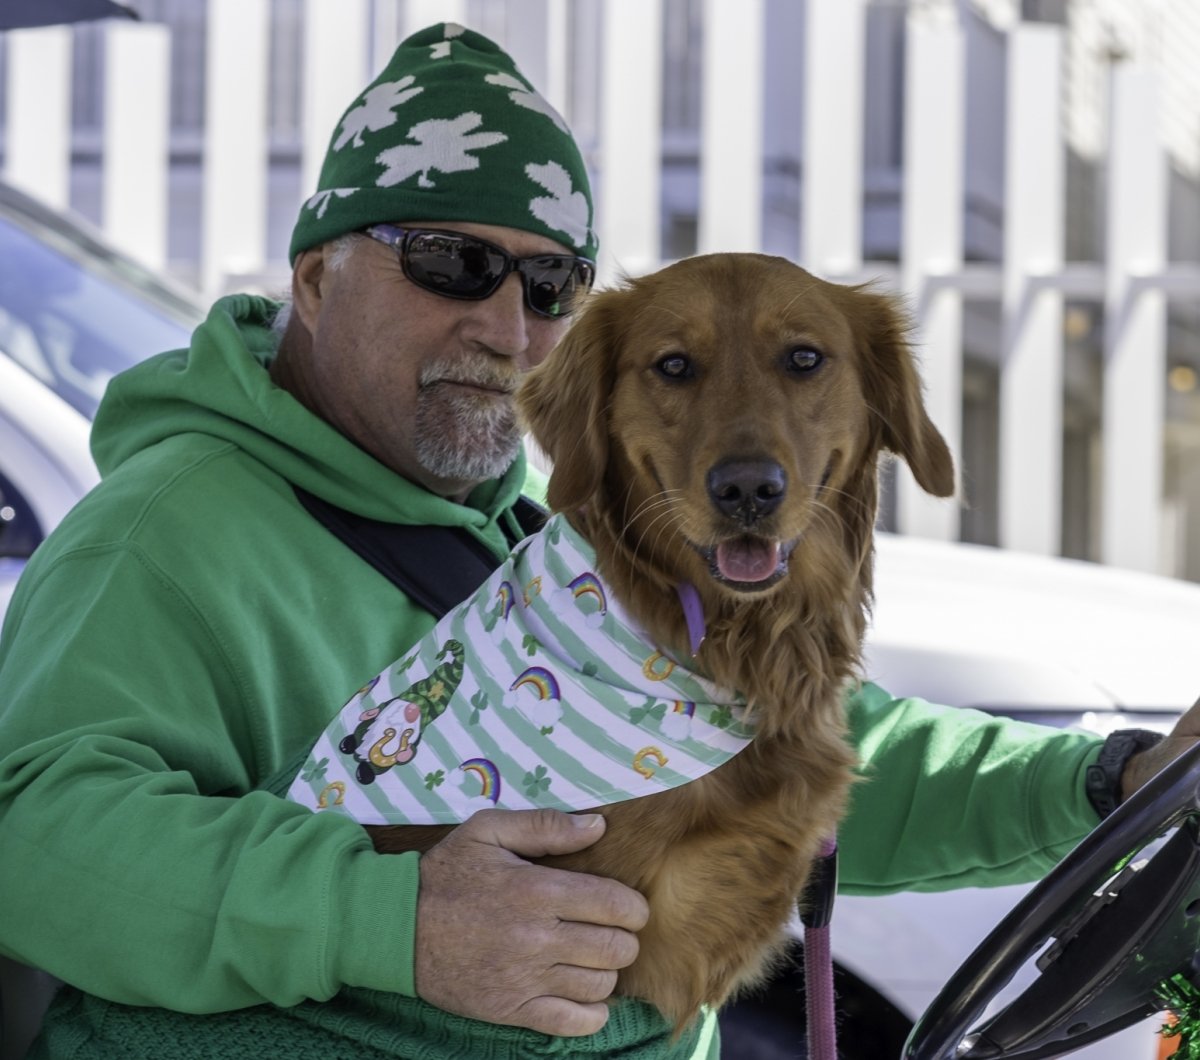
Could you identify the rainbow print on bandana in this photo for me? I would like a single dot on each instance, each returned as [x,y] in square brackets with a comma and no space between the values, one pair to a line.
[541,680]
[677,721]
[587,584]
[507,597]
[543,709]
[497,619]
[488,774]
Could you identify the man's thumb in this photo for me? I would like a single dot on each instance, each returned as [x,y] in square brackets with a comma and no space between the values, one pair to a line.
[536,833]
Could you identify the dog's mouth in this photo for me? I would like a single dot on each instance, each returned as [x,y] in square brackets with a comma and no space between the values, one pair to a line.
[748,563]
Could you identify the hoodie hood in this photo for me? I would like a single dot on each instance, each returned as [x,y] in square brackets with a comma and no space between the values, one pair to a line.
[220,387]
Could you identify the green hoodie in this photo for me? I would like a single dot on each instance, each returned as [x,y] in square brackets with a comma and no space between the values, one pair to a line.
[189,629]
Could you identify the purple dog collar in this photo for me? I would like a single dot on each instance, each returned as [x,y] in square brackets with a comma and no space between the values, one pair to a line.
[693,613]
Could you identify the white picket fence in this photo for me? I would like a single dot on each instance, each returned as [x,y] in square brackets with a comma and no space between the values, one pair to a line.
[349,39]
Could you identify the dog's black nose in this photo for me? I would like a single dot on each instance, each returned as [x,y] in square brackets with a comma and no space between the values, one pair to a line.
[747,490]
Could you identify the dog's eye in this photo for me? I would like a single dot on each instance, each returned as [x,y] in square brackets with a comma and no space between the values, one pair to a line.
[804,359]
[674,366]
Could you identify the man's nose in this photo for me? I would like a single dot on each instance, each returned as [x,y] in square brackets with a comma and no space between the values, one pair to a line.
[503,321]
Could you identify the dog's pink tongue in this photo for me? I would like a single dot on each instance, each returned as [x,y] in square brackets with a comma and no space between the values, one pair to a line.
[747,559]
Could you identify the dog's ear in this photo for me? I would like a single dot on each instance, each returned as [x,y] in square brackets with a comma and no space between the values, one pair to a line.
[564,403]
[892,387]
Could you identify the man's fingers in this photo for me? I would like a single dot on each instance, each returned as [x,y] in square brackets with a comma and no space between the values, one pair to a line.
[588,946]
[580,898]
[535,833]
[562,1019]
[582,985]
[568,895]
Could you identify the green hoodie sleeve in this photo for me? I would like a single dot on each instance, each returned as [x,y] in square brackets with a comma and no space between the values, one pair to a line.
[950,797]
[126,871]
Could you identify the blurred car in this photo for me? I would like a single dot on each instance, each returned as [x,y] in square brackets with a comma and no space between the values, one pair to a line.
[73,313]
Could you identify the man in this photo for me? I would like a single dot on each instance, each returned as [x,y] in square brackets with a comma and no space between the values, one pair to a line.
[191,626]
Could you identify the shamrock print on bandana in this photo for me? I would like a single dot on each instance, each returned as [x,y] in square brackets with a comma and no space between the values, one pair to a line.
[376,111]
[524,96]
[442,145]
[564,209]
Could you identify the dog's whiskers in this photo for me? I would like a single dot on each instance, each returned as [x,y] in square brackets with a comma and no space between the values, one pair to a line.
[665,520]
[851,498]
[659,509]
[666,511]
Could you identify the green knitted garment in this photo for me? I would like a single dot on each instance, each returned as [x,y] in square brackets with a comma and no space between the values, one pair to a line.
[451,131]
[355,1025]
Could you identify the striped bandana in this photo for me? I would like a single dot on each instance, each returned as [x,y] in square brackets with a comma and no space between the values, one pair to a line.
[536,692]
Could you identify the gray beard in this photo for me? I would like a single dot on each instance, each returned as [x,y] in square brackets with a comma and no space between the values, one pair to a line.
[457,437]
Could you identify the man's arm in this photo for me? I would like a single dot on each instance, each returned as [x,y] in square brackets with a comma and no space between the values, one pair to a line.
[957,798]
[136,865]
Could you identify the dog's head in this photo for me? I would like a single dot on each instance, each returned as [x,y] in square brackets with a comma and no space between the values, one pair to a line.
[735,405]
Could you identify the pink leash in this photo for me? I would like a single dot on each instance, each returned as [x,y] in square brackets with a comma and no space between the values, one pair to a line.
[818,960]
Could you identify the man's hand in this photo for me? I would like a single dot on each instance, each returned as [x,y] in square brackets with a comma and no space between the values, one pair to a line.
[1142,766]
[551,940]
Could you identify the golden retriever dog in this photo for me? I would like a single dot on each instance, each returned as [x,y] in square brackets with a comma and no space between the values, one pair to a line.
[720,423]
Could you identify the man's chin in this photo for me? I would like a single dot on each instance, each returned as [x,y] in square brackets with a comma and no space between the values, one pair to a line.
[468,460]
[459,439]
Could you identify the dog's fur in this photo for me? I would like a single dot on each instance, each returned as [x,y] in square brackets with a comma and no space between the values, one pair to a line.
[679,416]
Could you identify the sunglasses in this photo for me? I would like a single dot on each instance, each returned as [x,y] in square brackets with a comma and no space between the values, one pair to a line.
[462,266]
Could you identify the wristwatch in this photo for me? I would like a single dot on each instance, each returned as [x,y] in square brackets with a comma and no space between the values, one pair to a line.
[1104,776]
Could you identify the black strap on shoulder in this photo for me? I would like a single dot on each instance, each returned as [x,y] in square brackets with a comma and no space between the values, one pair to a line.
[437,567]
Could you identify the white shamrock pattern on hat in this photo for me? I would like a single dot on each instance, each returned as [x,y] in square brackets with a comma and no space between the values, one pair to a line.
[524,96]
[564,209]
[443,144]
[376,111]
[442,48]
[320,202]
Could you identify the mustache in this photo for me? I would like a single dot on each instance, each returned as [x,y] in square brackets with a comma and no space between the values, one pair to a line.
[479,371]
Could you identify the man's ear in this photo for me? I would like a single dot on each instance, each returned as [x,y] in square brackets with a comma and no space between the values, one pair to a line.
[307,275]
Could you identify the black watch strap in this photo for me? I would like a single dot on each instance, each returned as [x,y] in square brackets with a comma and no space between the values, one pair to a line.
[1104,776]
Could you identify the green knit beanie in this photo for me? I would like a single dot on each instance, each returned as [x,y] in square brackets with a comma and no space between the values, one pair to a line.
[451,131]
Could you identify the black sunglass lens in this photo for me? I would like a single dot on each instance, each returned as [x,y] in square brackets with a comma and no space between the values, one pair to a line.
[452,265]
[554,284]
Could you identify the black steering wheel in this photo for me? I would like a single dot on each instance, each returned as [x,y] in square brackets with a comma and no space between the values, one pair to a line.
[1121,928]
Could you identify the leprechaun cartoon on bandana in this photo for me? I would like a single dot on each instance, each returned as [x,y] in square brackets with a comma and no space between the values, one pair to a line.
[388,735]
